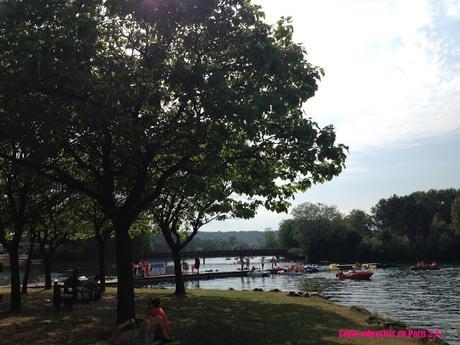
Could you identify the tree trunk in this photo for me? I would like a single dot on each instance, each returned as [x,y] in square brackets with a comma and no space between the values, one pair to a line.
[180,287]
[125,290]
[47,262]
[101,245]
[15,298]
[25,280]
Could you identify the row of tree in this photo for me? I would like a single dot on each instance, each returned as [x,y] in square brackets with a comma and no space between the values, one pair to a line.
[419,225]
[178,112]
[148,240]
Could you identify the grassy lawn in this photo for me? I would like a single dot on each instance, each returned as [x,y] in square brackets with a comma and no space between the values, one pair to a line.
[204,317]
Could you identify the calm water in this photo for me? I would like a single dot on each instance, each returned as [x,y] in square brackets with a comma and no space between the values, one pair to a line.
[425,299]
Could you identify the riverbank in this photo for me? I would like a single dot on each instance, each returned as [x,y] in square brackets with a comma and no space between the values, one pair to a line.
[203,317]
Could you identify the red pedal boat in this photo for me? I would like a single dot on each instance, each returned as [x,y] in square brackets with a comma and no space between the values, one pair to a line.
[360,275]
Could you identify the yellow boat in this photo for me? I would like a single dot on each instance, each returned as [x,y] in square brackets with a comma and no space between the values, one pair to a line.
[340,267]
[357,266]
[333,267]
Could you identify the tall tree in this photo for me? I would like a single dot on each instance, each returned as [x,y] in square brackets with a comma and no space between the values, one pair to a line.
[286,236]
[16,191]
[23,196]
[25,278]
[116,98]
[317,229]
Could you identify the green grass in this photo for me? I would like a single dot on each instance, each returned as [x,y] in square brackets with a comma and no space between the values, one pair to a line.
[203,317]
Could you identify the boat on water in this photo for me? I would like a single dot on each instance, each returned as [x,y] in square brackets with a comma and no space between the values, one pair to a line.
[358,266]
[311,268]
[340,267]
[291,273]
[353,275]
[258,273]
[294,270]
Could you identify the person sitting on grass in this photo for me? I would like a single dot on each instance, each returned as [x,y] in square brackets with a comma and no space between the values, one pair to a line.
[156,311]
[140,332]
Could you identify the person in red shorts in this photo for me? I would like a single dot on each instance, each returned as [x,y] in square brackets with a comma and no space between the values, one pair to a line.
[155,311]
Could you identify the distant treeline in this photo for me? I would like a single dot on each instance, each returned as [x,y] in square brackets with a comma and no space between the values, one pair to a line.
[219,240]
[420,225]
[147,243]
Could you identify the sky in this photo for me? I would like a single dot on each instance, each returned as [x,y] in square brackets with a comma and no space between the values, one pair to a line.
[391,90]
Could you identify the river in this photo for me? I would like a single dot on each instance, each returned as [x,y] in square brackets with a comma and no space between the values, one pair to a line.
[423,299]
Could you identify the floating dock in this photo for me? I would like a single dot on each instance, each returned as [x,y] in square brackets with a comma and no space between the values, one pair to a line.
[165,278]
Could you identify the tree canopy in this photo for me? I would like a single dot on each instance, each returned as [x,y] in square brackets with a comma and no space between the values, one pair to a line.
[24,195]
[124,100]
[419,225]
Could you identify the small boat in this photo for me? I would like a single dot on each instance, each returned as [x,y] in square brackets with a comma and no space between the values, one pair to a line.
[291,273]
[258,273]
[340,267]
[311,268]
[361,275]
[293,270]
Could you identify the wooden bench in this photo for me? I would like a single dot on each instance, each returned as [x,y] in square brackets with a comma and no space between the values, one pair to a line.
[59,298]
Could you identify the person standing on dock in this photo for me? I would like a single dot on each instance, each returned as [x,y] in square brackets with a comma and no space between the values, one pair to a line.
[242,263]
[273,262]
[184,266]
[197,265]
[248,261]
[262,262]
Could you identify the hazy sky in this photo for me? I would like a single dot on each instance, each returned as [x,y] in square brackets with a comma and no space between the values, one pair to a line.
[391,90]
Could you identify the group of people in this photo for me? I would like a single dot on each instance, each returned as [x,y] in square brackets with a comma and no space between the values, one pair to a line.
[144,331]
[88,290]
[246,261]
[141,269]
[422,265]
[195,266]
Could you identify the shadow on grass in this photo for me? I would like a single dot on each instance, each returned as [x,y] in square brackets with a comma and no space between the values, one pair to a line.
[39,323]
[202,318]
